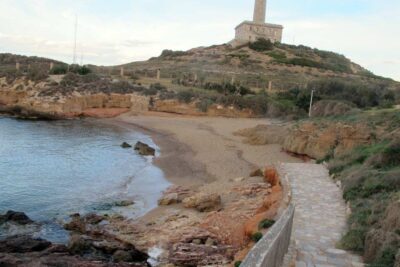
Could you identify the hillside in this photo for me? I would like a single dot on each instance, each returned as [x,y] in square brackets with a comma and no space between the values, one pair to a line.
[286,66]
[8,62]
[257,80]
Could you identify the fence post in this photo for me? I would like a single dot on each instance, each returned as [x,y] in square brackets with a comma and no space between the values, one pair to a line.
[270,86]
[122,72]
[17,66]
[158,74]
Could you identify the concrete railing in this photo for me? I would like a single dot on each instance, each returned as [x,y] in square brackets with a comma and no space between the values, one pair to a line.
[272,248]
[270,251]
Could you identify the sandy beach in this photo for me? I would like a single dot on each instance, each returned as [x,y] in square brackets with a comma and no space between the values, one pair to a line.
[200,150]
[203,155]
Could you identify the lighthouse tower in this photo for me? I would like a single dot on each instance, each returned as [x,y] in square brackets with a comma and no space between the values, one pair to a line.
[250,31]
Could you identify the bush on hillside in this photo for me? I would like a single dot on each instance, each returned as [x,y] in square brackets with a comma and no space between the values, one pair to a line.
[262,45]
[81,70]
[37,74]
[170,53]
[59,69]
[371,184]
[186,96]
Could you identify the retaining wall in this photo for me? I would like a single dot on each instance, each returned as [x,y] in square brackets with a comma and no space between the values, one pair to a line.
[270,251]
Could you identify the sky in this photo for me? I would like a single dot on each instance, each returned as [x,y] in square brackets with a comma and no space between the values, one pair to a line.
[112,32]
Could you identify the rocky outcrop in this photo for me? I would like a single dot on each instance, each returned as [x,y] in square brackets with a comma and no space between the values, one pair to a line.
[27,251]
[24,99]
[326,108]
[176,107]
[144,149]
[321,140]
[200,248]
[23,244]
[89,238]
[264,134]
[203,202]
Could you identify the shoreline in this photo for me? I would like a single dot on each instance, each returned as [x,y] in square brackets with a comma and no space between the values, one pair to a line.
[176,159]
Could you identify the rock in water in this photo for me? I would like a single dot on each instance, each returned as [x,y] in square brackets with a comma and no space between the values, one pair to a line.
[23,244]
[125,145]
[15,217]
[144,149]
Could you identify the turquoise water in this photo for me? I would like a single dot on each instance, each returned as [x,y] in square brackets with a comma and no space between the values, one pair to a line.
[50,170]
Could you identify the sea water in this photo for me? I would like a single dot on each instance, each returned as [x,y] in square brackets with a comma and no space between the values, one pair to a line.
[50,170]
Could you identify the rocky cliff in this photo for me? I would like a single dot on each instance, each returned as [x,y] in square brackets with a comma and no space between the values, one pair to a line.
[26,99]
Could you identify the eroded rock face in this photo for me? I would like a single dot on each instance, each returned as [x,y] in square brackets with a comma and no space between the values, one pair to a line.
[144,149]
[326,108]
[321,140]
[203,202]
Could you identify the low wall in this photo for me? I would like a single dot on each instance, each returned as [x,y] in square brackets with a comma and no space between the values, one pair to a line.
[270,251]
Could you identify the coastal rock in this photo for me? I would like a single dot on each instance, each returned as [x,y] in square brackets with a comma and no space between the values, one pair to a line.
[320,140]
[174,194]
[253,189]
[105,247]
[124,203]
[125,145]
[82,224]
[15,217]
[168,199]
[23,244]
[144,149]
[199,247]
[190,254]
[203,202]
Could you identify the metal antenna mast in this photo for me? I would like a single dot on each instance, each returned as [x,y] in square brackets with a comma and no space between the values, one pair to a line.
[75,39]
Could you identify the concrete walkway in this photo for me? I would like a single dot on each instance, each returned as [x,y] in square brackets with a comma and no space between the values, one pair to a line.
[320,218]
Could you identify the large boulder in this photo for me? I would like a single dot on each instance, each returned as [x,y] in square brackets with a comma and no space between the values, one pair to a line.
[15,217]
[144,149]
[203,202]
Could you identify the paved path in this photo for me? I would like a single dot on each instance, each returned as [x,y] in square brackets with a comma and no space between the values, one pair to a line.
[320,218]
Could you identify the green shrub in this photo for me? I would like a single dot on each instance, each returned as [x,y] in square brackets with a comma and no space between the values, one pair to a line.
[304,62]
[37,74]
[262,45]
[277,55]
[266,223]
[204,104]
[186,96]
[59,69]
[238,263]
[81,70]
[353,240]
[256,236]
[171,53]
[158,87]
[386,259]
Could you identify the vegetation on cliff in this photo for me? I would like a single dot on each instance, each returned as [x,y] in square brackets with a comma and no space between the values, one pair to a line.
[370,177]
